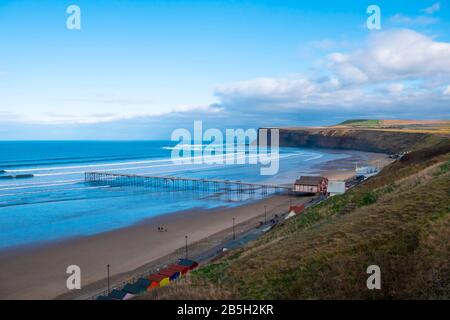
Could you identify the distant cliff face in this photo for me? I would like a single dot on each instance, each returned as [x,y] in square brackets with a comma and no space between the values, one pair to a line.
[353,139]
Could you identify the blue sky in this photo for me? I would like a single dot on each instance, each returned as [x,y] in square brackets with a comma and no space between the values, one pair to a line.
[140,69]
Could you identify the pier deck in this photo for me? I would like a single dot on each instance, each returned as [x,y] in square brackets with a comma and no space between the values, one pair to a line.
[180,183]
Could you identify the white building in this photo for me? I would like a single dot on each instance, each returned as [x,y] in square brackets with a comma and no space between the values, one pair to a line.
[367,172]
[336,187]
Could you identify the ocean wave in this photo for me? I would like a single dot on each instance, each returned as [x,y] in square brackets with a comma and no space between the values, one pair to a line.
[315,156]
[53,191]
[199,147]
[37,186]
[106,165]
[124,166]
[14,164]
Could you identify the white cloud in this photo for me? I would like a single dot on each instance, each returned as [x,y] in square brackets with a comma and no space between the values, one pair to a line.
[193,108]
[92,118]
[434,8]
[401,19]
[399,54]
[338,57]
[349,73]
[420,20]
[395,71]
[396,88]
[267,87]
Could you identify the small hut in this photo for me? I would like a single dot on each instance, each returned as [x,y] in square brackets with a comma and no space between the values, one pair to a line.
[294,210]
[133,288]
[120,295]
[182,269]
[143,283]
[188,263]
[172,274]
[153,284]
[159,279]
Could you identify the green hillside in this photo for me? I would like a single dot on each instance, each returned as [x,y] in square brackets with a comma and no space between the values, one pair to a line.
[399,220]
[360,123]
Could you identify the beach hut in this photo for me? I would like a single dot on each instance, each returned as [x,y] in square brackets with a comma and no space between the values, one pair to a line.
[182,269]
[188,263]
[294,210]
[153,284]
[172,274]
[120,295]
[133,289]
[159,279]
[143,283]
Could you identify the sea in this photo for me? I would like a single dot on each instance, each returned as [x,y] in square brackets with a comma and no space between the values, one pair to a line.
[55,203]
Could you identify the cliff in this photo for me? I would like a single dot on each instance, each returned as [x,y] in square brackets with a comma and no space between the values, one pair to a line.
[354,139]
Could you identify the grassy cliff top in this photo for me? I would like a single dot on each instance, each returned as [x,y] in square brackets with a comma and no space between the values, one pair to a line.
[360,123]
[426,126]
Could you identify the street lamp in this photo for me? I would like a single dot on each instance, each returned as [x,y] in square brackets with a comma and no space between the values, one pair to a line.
[265,214]
[234,234]
[107,272]
[186,248]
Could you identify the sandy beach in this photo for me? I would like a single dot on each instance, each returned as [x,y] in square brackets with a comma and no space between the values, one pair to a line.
[40,272]
[345,168]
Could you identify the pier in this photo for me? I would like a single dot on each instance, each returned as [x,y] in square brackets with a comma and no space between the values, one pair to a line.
[179,183]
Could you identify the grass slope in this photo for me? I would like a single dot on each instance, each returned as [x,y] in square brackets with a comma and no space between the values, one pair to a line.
[409,126]
[360,123]
[399,220]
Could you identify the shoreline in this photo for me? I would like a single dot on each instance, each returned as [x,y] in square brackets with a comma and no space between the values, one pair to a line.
[38,271]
